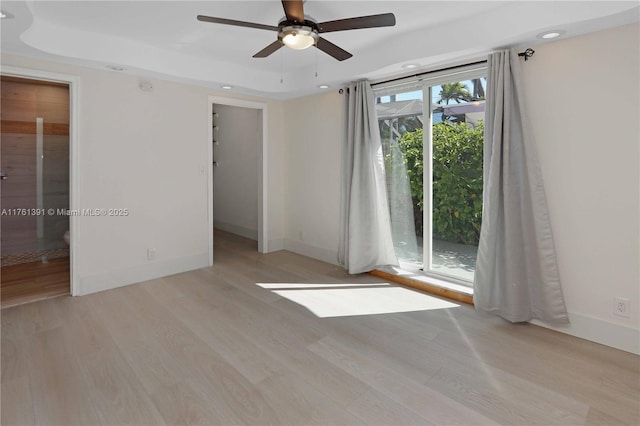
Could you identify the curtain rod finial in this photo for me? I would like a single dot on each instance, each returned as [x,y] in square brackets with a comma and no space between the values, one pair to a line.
[527,53]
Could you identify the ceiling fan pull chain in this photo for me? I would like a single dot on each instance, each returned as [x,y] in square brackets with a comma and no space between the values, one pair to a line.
[281,66]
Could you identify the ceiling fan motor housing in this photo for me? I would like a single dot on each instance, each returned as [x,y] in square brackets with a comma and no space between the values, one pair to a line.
[298,36]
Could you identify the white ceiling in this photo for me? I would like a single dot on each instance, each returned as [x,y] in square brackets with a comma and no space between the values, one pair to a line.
[163,38]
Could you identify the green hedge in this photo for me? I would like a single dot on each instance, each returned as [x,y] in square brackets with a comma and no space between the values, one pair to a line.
[457,179]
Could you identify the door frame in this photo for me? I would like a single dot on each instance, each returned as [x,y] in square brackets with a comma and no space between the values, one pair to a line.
[263,240]
[74,97]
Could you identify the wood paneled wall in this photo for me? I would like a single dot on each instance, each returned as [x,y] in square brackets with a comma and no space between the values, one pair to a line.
[22,101]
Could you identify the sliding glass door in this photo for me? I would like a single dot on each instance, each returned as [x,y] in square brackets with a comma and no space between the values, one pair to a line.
[432,137]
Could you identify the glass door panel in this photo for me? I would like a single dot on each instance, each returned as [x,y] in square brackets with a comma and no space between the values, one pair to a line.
[401,121]
[433,160]
[457,137]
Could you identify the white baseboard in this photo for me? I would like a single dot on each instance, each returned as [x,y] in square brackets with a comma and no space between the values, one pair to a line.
[615,335]
[318,253]
[252,234]
[276,244]
[156,269]
[607,333]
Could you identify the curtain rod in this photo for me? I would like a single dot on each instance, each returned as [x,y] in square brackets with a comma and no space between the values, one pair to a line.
[429,72]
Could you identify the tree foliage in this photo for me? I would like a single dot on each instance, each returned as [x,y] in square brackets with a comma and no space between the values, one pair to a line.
[457,91]
[457,179]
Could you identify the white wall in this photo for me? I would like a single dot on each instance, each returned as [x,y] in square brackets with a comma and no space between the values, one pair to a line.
[235,179]
[137,147]
[314,125]
[583,100]
[582,94]
[144,151]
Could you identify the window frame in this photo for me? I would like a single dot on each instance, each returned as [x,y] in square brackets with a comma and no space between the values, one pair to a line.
[426,82]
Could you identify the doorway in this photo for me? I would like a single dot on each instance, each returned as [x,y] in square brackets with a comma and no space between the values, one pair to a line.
[237,171]
[432,133]
[35,190]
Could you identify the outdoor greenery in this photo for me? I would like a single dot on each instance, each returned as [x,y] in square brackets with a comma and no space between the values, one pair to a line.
[457,164]
[453,92]
[457,179]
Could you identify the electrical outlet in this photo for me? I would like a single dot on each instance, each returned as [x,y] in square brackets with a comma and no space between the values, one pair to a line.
[151,253]
[621,306]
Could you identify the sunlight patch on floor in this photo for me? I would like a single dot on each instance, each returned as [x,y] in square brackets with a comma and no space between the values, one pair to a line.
[340,300]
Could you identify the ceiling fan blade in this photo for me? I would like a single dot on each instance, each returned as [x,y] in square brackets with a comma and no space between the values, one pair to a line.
[371,21]
[236,23]
[269,49]
[293,10]
[332,50]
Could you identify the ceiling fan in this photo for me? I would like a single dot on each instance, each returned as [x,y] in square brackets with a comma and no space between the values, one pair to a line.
[299,33]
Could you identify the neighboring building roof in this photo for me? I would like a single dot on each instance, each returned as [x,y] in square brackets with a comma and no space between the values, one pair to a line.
[397,109]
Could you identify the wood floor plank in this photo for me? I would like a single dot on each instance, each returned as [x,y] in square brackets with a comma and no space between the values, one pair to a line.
[152,340]
[237,349]
[502,396]
[30,282]
[284,339]
[181,404]
[59,393]
[222,346]
[582,375]
[14,364]
[373,408]
[114,390]
[116,395]
[17,402]
[298,402]
[438,408]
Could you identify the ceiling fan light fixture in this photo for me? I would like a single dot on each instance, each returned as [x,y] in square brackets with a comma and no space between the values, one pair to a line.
[298,37]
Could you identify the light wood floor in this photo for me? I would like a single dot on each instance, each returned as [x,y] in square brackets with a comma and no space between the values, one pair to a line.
[29,282]
[212,347]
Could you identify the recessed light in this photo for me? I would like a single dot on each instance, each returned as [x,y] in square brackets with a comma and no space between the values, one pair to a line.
[410,66]
[115,68]
[227,87]
[323,86]
[5,15]
[550,34]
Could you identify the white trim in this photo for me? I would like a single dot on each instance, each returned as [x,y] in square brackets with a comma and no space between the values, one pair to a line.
[251,234]
[39,183]
[427,179]
[263,240]
[597,330]
[74,202]
[276,244]
[429,78]
[144,272]
[318,253]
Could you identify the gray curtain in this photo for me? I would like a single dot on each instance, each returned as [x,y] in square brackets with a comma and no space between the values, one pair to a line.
[365,229]
[516,273]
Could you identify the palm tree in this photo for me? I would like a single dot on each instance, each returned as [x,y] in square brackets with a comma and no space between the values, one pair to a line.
[453,91]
